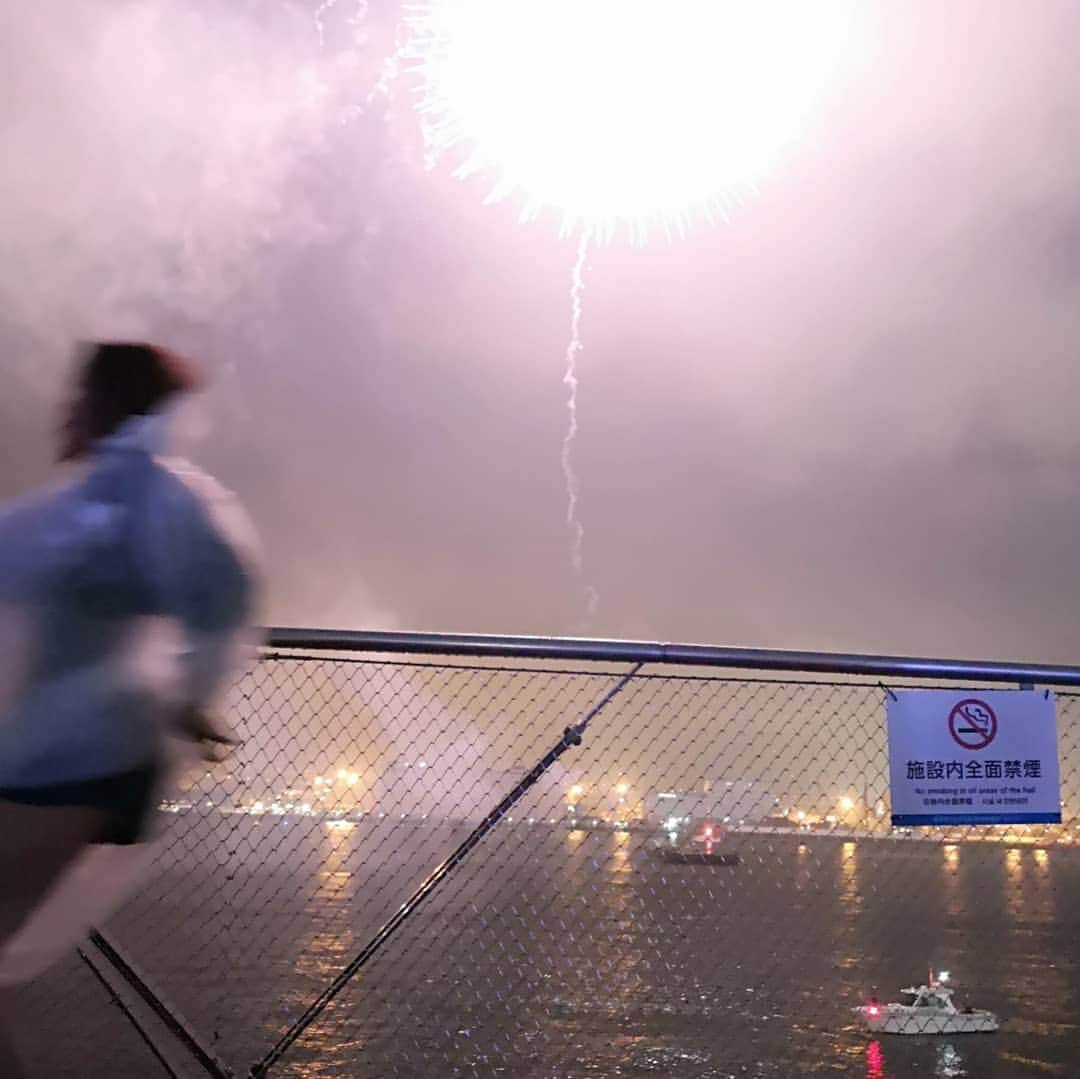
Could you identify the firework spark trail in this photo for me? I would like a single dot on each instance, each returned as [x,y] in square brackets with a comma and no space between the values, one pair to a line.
[570,379]
[320,26]
[356,21]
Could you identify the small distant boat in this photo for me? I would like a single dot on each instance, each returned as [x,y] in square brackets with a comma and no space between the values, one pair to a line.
[927,1009]
[696,857]
[702,849]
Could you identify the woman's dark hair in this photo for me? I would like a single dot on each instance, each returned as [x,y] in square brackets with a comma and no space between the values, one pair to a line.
[120,379]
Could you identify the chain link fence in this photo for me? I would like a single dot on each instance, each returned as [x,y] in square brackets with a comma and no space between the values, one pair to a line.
[707,886]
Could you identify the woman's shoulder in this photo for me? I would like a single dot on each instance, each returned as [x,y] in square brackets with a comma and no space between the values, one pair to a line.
[212,508]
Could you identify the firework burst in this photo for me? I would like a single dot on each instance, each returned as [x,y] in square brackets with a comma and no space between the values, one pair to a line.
[622,116]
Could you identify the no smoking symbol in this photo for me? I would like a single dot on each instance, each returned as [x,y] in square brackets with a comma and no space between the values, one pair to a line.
[972,724]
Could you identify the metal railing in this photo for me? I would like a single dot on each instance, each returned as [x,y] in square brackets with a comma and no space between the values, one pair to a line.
[562,932]
[594,650]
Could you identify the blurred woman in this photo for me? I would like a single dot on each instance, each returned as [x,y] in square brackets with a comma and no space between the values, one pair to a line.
[126,599]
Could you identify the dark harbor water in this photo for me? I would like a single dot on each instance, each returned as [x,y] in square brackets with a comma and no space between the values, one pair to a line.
[578,954]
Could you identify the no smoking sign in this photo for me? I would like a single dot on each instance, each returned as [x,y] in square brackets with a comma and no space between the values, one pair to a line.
[972,724]
[956,758]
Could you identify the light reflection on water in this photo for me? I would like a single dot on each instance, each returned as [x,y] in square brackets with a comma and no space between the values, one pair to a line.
[949,1064]
[849,889]
[328,946]
[1014,873]
[951,880]
[620,857]
[1028,890]
[627,983]
[875,1061]
[847,945]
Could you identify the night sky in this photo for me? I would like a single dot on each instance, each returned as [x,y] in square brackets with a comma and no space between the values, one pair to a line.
[842,418]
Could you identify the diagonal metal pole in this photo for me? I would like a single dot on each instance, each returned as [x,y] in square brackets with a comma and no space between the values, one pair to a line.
[571,736]
[172,1020]
[129,1015]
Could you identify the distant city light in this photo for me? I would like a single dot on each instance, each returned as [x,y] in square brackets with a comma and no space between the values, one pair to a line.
[340,796]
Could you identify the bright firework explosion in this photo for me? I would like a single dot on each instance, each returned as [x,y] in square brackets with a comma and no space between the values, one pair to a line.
[623,116]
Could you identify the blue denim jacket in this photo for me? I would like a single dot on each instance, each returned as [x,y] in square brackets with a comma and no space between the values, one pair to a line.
[125,596]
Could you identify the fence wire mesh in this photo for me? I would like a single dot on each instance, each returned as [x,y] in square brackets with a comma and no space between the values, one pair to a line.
[707,886]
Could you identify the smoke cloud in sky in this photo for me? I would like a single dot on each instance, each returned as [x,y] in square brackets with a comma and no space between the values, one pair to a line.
[150,157]
[844,418]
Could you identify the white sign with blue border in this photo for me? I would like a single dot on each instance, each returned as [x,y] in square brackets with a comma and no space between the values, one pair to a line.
[973,757]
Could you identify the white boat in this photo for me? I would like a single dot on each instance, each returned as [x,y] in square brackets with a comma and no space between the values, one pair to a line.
[926,1009]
